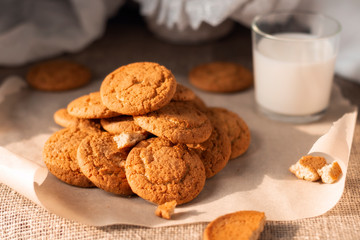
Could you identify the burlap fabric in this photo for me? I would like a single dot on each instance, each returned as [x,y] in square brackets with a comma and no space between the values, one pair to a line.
[123,43]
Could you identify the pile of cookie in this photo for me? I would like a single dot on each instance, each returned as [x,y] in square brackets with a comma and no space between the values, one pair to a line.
[145,134]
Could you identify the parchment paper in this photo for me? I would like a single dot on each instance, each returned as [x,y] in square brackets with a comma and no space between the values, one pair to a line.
[258,180]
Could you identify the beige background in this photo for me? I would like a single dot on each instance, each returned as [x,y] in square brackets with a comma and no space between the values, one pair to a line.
[127,40]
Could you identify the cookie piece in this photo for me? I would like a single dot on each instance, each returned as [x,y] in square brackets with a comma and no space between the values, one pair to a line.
[330,173]
[126,132]
[238,225]
[214,152]
[236,128]
[183,93]
[165,210]
[306,168]
[180,122]
[160,171]
[58,75]
[59,155]
[138,88]
[221,77]
[90,106]
[103,163]
[126,139]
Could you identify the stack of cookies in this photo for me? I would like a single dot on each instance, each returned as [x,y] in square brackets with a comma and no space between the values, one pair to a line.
[145,134]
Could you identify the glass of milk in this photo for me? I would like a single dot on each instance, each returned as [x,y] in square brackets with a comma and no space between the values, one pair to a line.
[293,58]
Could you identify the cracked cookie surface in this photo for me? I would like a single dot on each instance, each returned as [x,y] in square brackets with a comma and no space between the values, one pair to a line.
[214,152]
[138,88]
[59,155]
[236,128]
[183,93]
[103,163]
[180,122]
[120,124]
[90,106]
[160,171]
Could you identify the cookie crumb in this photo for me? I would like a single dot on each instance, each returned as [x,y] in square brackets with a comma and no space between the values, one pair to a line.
[126,139]
[306,168]
[330,173]
[166,210]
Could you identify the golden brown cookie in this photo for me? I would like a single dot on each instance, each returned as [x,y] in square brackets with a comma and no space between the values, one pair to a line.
[221,77]
[183,93]
[214,152]
[59,155]
[58,75]
[64,119]
[236,128]
[90,107]
[242,225]
[120,124]
[180,122]
[103,163]
[160,171]
[199,104]
[138,88]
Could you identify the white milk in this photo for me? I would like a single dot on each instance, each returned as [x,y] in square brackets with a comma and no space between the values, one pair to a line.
[293,78]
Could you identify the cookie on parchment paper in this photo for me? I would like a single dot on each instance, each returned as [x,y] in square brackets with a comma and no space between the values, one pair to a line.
[160,171]
[236,128]
[60,155]
[120,124]
[58,75]
[221,77]
[216,150]
[64,119]
[90,106]
[138,88]
[103,163]
[126,132]
[330,173]
[307,167]
[180,122]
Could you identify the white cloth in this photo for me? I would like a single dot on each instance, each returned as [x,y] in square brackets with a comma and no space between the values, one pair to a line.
[183,13]
[31,30]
